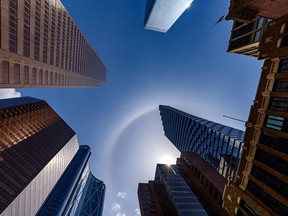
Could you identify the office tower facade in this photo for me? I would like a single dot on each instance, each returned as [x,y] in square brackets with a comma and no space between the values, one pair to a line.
[245,37]
[247,10]
[160,15]
[77,192]
[261,186]
[148,199]
[219,145]
[173,194]
[41,46]
[37,147]
[204,181]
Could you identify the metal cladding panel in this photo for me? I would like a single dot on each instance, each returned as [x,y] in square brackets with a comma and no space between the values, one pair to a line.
[164,13]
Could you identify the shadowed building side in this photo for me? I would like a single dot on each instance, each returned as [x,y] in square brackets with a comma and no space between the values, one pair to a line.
[41,46]
[245,37]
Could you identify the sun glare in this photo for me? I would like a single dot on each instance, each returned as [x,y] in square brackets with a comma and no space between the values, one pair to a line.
[167,159]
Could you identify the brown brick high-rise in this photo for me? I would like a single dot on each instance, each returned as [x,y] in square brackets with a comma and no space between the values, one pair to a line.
[41,46]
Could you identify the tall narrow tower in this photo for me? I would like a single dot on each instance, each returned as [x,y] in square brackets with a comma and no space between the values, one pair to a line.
[219,145]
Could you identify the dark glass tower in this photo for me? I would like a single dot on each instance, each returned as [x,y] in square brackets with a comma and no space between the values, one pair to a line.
[37,151]
[219,145]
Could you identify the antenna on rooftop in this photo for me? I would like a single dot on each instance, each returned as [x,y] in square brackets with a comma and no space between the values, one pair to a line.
[234,119]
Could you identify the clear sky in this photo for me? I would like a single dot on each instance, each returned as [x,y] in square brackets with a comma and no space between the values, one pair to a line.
[187,68]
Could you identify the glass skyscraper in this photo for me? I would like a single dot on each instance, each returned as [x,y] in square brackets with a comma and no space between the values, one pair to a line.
[219,145]
[37,151]
[160,15]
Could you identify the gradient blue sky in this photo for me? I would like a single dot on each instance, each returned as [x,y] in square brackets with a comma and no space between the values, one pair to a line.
[187,68]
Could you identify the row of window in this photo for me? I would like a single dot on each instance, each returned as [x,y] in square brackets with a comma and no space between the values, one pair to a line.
[75,54]
[267,199]
[209,187]
[270,180]
[33,76]
[272,161]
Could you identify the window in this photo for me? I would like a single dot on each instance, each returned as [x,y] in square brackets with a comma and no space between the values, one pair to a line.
[284,41]
[283,66]
[281,85]
[267,199]
[247,208]
[257,36]
[51,78]
[277,123]
[4,78]
[280,104]
[16,73]
[26,32]
[37,30]
[34,72]
[40,79]
[260,22]
[272,161]
[275,142]
[26,75]
[13,25]
[46,77]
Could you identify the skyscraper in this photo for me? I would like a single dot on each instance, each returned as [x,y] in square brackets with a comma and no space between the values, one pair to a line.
[261,186]
[37,148]
[41,46]
[219,145]
[160,15]
[172,194]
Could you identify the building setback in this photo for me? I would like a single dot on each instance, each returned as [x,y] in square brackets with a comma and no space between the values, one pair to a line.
[36,149]
[219,145]
[41,46]
[261,185]
[160,15]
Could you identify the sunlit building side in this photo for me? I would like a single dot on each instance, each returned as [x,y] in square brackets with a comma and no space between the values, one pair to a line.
[37,149]
[219,145]
[160,15]
[261,185]
[41,46]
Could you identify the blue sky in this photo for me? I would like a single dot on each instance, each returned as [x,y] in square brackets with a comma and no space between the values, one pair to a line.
[187,68]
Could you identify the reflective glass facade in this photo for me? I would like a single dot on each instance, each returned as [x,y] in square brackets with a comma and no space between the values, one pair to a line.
[160,15]
[183,199]
[41,164]
[77,192]
[32,134]
[219,145]
[41,46]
